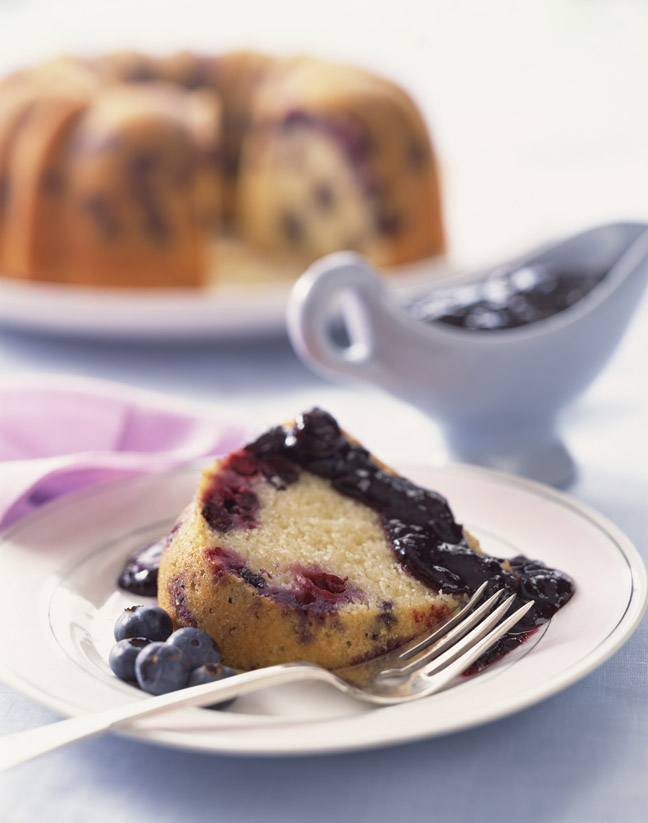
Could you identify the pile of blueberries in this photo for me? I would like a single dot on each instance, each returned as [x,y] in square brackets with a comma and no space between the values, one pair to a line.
[148,652]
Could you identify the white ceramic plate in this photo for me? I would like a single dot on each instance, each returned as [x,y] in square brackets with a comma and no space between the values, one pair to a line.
[62,563]
[239,310]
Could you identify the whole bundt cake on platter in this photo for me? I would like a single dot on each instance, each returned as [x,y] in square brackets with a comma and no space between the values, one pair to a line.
[129,170]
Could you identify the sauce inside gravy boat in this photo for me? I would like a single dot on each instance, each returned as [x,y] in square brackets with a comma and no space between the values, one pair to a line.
[497,394]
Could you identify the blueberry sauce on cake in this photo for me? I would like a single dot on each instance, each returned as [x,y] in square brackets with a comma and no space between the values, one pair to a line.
[507,298]
[419,523]
[418,528]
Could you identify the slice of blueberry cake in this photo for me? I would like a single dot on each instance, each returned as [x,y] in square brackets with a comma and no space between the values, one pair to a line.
[303,546]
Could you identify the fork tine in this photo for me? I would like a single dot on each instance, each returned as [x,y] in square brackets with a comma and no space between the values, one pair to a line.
[441,672]
[470,638]
[421,645]
[420,679]
[433,647]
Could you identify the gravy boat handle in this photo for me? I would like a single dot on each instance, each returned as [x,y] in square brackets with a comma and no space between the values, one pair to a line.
[341,282]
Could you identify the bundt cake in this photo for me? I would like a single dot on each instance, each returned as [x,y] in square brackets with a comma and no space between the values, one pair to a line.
[130,170]
[303,546]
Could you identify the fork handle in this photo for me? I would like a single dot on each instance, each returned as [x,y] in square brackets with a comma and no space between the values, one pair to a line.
[22,746]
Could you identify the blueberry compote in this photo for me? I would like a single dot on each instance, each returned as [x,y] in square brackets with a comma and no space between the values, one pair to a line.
[140,574]
[426,538]
[507,298]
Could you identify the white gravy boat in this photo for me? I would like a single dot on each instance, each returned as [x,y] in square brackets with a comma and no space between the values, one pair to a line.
[496,394]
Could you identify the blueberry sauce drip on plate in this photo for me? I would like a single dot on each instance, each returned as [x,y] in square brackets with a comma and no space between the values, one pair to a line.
[140,573]
[509,297]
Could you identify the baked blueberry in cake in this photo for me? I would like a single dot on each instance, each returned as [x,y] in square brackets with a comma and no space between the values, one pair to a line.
[303,546]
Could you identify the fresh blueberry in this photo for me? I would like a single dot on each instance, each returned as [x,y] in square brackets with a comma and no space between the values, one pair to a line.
[143,621]
[123,654]
[211,673]
[197,647]
[160,668]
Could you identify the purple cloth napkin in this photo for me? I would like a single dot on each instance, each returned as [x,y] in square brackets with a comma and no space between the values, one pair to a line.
[60,434]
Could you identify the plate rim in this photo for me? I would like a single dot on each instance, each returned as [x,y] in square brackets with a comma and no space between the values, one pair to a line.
[592,658]
[218,311]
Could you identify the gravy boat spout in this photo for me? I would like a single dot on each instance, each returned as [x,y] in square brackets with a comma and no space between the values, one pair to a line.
[496,394]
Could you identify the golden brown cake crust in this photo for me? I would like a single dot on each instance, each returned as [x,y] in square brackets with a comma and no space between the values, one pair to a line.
[136,185]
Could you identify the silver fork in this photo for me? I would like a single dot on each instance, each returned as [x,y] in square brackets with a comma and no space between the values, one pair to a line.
[415,670]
